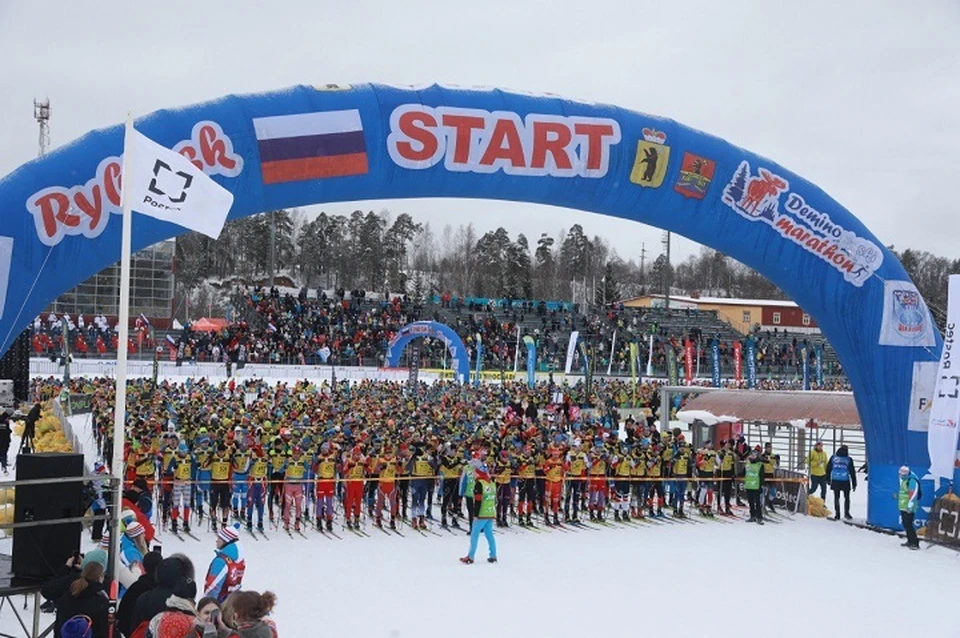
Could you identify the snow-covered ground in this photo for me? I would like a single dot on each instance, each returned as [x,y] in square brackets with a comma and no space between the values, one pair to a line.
[802,577]
[799,578]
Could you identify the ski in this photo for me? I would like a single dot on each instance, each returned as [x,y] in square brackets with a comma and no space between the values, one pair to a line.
[251,532]
[190,534]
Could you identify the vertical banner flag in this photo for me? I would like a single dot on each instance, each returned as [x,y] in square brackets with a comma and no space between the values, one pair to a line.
[751,362]
[571,348]
[805,356]
[634,355]
[531,359]
[650,357]
[673,376]
[613,347]
[688,361]
[945,412]
[737,361]
[715,361]
[479,370]
[414,376]
[167,186]
[818,364]
[585,356]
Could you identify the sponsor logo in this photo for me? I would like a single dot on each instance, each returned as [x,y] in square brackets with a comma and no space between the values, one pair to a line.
[85,209]
[333,87]
[650,164]
[906,320]
[478,141]
[696,173]
[908,310]
[757,198]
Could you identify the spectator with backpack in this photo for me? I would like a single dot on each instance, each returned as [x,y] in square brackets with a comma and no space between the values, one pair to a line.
[842,476]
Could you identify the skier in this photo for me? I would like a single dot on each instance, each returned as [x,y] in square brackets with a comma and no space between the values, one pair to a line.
[907,500]
[654,473]
[504,480]
[638,490]
[220,464]
[353,475]
[181,468]
[450,467]
[242,459]
[842,477]
[728,470]
[225,574]
[706,467]
[387,486]
[553,470]
[257,490]
[326,473]
[527,486]
[422,470]
[466,484]
[753,484]
[598,482]
[622,468]
[296,472]
[278,461]
[484,497]
[681,470]
[576,469]
[203,456]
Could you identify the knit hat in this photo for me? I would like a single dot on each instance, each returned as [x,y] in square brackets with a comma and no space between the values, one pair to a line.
[134,529]
[229,534]
[904,470]
[127,514]
[95,556]
[77,627]
[175,624]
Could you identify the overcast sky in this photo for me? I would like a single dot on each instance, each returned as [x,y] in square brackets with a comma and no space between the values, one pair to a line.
[862,98]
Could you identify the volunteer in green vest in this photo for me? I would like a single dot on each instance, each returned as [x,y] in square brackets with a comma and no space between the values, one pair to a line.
[907,501]
[485,510]
[753,484]
[817,461]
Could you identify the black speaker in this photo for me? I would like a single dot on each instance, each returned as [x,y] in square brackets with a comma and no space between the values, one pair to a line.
[41,551]
[15,365]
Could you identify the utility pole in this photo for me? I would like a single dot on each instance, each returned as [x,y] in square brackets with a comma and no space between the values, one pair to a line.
[41,113]
[668,278]
[643,260]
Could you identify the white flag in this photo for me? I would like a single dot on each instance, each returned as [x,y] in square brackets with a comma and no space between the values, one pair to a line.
[571,348]
[166,185]
[942,435]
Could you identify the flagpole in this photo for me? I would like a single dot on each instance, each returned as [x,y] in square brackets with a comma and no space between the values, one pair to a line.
[123,312]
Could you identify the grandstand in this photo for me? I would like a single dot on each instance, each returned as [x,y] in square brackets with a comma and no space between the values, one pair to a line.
[287,326]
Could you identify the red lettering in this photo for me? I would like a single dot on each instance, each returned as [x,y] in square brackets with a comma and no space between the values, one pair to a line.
[92,210]
[191,154]
[505,144]
[214,150]
[427,139]
[595,134]
[112,183]
[52,206]
[556,146]
[465,125]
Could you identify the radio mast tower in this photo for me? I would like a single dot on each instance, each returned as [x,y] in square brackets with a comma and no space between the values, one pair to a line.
[41,113]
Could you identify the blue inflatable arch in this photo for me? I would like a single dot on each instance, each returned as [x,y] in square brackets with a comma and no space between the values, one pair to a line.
[316,144]
[459,357]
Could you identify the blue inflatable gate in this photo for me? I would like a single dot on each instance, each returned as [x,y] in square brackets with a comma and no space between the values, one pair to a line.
[459,357]
[311,144]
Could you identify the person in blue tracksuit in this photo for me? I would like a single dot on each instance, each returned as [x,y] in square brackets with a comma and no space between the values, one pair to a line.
[843,476]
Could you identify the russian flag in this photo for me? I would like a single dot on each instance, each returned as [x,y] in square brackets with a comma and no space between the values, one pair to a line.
[306,146]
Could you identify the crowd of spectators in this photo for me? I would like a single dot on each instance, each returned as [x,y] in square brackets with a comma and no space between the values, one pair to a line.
[354,328]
